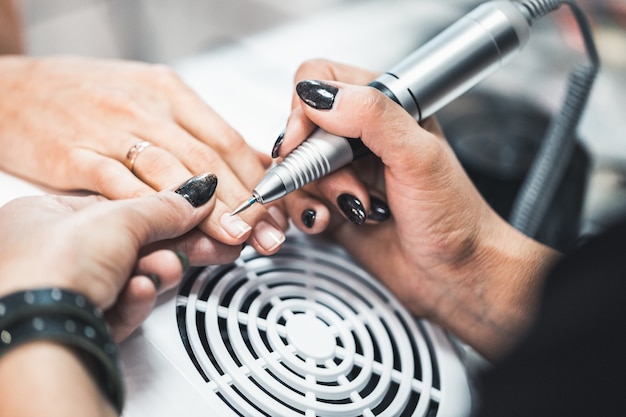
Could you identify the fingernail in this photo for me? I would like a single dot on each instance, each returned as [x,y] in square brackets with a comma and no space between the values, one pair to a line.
[155,280]
[276,147]
[268,236]
[199,189]
[380,210]
[278,216]
[184,261]
[352,208]
[308,217]
[317,94]
[234,225]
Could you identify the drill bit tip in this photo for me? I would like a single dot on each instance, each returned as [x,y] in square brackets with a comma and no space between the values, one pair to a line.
[246,204]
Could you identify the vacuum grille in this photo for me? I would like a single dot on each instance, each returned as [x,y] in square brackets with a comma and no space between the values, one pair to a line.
[306,332]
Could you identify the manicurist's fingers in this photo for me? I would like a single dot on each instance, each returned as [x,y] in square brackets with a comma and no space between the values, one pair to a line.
[365,113]
[308,213]
[299,126]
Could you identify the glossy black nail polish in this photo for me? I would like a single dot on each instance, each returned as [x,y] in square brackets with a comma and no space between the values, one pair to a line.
[276,147]
[352,208]
[199,189]
[316,94]
[308,217]
[380,210]
[155,280]
[184,261]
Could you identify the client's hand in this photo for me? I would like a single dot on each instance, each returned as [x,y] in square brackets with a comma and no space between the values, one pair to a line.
[444,252]
[107,250]
[126,129]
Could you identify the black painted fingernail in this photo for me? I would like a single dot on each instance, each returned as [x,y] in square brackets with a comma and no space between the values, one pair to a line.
[317,94]
[276,147]
[352,208]
[155,280]
[308,217]
[380,210]
[184,261]
[199,189]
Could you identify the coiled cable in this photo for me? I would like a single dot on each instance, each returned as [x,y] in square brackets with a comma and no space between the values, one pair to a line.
[557,147]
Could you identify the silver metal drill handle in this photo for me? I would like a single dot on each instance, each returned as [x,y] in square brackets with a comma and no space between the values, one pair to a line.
[447,66]
[319,155]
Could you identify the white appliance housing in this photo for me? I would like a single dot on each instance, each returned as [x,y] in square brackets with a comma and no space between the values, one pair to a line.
[305,332]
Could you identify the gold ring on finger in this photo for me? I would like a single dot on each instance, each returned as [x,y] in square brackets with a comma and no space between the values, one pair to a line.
[134,152]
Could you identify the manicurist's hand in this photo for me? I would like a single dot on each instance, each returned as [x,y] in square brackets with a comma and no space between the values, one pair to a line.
[113,252]
[443,251]
[126,129]
[311,209]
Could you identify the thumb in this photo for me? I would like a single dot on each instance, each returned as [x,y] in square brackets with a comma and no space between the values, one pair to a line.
[169,213]
[366,113]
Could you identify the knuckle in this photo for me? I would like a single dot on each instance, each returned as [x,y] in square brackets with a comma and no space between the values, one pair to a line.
[178,213]
[434,156]
[226,144]
[156,161]
[164,76]
[373,106]
[117,102]
[205,158]
[101,177]
[107,174]
[234,144]
[317,67]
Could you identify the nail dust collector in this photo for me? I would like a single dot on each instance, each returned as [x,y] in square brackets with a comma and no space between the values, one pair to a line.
[305,332]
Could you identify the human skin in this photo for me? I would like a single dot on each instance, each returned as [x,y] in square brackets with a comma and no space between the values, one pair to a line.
[11,31]
[444,252]
[106,251]
[69,123]
[103,249]
[73,120]
[63,385]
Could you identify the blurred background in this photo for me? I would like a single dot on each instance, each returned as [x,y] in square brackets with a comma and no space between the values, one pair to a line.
[164,30]
[167,31]
[153,30]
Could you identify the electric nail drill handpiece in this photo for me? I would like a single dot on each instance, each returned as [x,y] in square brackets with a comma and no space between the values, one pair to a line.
[447,66]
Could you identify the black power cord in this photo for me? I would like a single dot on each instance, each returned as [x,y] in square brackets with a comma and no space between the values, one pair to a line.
[559,143]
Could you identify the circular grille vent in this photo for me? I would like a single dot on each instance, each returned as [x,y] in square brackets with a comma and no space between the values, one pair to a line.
[306,333]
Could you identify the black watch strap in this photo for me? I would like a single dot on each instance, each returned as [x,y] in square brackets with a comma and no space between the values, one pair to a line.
[68,318]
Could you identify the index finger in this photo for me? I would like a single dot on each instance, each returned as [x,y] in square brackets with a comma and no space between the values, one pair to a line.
[206,139]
